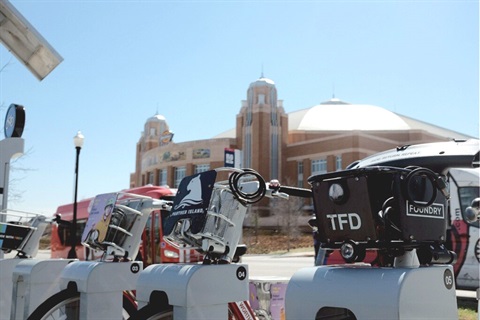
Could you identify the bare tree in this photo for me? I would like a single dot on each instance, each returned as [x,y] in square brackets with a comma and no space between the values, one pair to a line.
[288,213]
[9,62]
[17,174]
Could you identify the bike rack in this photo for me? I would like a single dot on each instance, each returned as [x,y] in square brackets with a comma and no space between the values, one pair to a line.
[33,282]
[387,293]
[21,232]
[220,284]
[101,285]
[6,269]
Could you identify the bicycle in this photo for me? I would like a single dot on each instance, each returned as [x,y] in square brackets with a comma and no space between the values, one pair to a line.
[20,232]
[114,228]
[207,214]
[399,213]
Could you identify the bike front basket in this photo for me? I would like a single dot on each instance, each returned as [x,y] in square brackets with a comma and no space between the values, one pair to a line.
[17,230]
[115,223]
[207,215]
[379,207]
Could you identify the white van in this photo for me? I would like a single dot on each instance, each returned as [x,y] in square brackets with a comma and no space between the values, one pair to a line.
[464,236]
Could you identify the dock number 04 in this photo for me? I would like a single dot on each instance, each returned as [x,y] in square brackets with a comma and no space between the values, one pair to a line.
[241,273]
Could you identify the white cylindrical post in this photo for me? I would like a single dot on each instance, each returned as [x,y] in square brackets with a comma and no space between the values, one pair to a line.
[10,148]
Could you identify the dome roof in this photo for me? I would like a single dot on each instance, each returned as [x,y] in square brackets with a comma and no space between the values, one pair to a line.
[262,82]
[157,118]
[336,115]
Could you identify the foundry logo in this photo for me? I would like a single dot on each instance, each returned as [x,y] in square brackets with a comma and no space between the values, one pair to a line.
[435,211]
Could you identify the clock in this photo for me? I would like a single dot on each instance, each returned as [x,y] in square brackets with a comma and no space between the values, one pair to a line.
[14,121]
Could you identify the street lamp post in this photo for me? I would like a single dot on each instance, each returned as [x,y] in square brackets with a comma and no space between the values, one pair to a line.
[78,142]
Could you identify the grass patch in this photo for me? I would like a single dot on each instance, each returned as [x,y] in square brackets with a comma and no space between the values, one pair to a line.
[467,309]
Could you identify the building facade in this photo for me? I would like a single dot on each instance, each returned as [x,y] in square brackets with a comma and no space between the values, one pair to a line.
[288,147]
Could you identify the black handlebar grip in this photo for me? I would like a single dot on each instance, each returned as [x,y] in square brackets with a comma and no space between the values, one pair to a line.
[296,192]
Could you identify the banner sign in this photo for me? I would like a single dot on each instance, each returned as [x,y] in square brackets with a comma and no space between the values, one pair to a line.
[229,158]
[12,236]
[99,218]
[232,158]
[192,201]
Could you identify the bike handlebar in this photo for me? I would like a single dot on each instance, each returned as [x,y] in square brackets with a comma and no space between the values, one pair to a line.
[296,192]
[276,189]
[161,204]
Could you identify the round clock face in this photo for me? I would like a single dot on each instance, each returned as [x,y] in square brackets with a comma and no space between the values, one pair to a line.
[14,121]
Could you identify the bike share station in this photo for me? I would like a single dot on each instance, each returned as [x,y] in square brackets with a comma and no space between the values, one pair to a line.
[397,211]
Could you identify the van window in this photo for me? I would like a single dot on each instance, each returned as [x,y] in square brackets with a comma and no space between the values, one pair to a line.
[165,215]
[147,242]
[466,195]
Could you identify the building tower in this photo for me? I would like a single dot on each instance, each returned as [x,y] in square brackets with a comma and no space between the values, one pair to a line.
[153,135]
[262,129]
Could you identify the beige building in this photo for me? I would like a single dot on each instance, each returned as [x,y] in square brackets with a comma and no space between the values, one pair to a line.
[289,147]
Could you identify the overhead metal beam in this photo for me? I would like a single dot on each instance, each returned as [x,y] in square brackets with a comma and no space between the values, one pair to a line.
[26,43]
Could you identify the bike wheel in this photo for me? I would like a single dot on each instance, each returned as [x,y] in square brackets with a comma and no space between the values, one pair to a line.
[65,305]
[153,312]
[61,306]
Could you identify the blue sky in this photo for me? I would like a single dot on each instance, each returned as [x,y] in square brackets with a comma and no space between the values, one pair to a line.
[194,60]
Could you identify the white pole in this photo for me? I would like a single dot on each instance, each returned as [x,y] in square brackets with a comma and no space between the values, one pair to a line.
[10,148]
